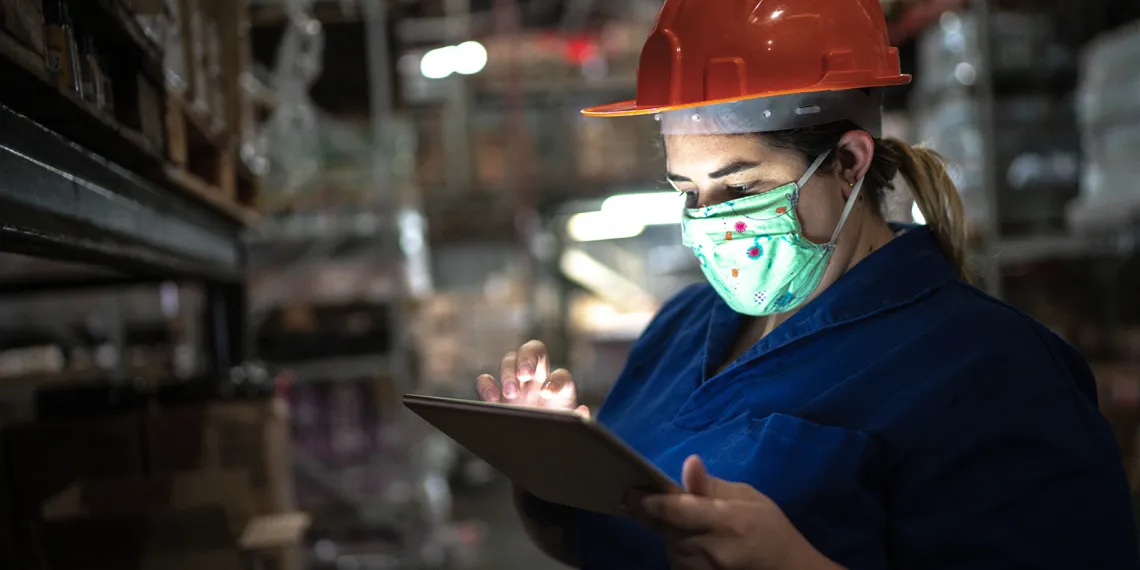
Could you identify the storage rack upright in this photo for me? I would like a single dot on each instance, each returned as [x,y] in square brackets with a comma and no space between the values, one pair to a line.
[77,184]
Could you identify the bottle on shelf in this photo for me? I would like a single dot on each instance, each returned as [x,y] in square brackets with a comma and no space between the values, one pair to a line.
[60,50]
[90,72]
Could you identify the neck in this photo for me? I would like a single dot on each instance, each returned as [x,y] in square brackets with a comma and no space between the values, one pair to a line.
[876,233]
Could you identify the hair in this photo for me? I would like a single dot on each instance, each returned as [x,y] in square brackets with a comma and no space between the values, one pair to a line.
[923,170]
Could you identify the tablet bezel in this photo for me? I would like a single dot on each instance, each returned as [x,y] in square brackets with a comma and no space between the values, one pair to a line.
[614,454]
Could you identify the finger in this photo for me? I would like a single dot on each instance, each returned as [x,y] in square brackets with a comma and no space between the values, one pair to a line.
[532,362]
[683,512]
[559,387]
[488,389]
[507,367]
[582,411]
[696,479]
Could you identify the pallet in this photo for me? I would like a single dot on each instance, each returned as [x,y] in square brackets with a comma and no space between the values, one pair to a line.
[198,150]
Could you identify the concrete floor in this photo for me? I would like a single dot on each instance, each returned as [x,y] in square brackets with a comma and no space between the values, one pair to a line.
[506,546]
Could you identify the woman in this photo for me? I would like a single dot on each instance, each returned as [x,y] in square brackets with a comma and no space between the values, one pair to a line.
[840,396]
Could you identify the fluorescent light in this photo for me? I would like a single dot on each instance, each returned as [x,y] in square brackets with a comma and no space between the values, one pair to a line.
[599,226]
[469,58]
[605,282]
[648,208]
[437,63]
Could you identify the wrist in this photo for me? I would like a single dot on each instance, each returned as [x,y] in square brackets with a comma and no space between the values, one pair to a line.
[804,556]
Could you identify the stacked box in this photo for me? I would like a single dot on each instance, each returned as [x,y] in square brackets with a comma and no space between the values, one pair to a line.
[218,467]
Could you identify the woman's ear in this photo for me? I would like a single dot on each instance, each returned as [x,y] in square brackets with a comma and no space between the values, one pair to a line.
[856,151]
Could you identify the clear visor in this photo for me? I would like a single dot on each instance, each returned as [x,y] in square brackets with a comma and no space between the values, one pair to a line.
[779,113]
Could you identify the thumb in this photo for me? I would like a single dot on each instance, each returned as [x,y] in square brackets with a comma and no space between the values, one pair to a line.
[697,481]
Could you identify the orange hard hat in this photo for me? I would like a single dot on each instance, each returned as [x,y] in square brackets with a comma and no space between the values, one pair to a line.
[705,52]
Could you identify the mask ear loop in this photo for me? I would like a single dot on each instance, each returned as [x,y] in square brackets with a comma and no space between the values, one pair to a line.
[846,212]
[811,170]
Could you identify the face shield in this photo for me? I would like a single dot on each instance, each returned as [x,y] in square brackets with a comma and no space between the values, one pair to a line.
[778,113]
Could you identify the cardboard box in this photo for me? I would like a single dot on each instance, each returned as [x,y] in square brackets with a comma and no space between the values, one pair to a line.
[47,457]
[141,495]
[248,436]
[172,522]
[196,539]
[44,458]
[24,20]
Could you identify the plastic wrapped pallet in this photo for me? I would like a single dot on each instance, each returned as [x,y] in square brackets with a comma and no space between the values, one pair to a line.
[1035,150]
[951,129]
[1109,113]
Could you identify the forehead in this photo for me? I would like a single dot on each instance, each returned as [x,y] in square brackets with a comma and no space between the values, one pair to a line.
[695,156]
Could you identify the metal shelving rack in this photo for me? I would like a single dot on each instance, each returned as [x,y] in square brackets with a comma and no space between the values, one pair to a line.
[59,200]
[998,251]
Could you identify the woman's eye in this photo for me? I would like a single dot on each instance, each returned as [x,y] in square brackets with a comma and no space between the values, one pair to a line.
[690,198]
[742,189]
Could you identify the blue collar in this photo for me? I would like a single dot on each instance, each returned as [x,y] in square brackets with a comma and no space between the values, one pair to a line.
[907,268]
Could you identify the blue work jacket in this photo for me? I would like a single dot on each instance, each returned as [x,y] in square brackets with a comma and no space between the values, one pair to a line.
[903,420]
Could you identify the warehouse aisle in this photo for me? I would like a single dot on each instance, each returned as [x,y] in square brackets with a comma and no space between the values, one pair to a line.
[507,546]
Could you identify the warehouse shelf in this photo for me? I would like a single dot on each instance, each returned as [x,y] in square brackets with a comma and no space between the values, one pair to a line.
[113,23]
[1013,250]
[1119,215]
[58,200]
[35,95]
[65,111]
[335,369]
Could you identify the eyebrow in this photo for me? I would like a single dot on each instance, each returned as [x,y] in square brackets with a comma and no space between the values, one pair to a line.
[735,167]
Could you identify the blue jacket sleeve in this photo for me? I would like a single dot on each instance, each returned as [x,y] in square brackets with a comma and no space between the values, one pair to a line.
[1032,484]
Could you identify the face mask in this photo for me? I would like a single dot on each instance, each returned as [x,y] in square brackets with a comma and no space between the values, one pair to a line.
[753,250]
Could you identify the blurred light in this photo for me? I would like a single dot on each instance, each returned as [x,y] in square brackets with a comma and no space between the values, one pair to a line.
[436,64]
[325,550]
[916,214]
[600,226]
[606,283]
[950,22]
[579,50]
[647,208]
[469,58]
[965,73]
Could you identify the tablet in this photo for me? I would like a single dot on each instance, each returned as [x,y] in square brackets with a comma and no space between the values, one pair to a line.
[558,456]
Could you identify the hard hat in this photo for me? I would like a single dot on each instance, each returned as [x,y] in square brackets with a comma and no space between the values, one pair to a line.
[705,53]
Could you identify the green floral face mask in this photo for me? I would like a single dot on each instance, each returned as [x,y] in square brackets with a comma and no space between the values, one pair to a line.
[753,250]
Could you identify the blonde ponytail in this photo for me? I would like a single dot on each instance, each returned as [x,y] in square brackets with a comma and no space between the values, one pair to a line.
[925,173]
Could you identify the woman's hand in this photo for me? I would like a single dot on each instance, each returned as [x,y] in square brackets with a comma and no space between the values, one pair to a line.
[718,525]
[525,380]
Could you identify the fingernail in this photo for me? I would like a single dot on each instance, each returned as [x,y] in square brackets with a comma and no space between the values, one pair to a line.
[510,390]
[526,371]
[547,391]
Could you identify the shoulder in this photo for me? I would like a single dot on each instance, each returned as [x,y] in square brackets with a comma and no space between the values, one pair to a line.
[1010,354]
[961,357]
